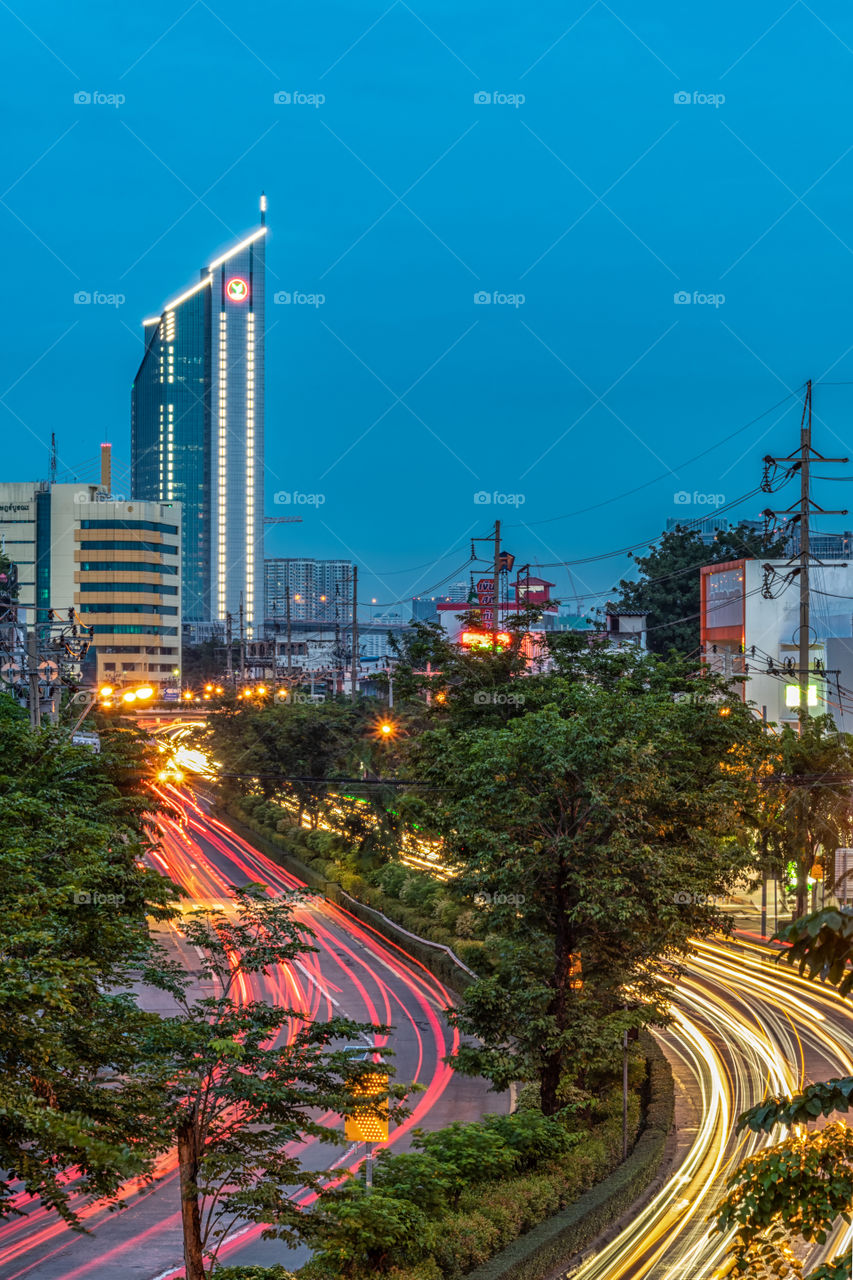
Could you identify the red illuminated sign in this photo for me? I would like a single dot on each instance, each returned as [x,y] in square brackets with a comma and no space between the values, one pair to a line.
[473,639]
[237,289]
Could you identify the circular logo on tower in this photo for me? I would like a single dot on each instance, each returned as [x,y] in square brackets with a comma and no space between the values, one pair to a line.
[237,289]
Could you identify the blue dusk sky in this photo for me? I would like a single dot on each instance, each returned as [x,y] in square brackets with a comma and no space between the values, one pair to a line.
[551,254]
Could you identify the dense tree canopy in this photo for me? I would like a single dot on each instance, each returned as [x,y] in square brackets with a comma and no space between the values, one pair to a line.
[667,586]
[593,813]
[73,906]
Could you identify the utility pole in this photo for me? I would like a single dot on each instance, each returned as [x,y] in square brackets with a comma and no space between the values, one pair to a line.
[354,632]
[287,620]
[242,644]
[229,640]
[33,679]
[801,459]
[805,511]
[497,587]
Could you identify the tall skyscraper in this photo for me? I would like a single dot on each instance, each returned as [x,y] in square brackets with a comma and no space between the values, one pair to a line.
[197,430]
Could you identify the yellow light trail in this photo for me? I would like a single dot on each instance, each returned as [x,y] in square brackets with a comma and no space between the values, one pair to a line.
[768,1019]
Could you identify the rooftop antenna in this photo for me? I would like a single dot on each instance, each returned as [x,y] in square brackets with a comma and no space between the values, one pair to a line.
[263,209]
[53,457]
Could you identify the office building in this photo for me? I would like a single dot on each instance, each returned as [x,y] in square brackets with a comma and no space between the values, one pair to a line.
[116,564]
[320,590]
[197,429]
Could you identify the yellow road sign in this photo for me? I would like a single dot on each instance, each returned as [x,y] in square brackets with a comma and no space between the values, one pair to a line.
[369,1123]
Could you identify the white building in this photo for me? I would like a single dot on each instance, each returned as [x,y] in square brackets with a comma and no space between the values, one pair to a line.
[746,634]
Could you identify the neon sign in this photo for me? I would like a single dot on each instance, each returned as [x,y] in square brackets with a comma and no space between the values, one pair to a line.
[237,289]
[481,639]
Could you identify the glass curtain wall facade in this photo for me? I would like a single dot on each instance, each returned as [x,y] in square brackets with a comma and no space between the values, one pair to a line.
[197,431]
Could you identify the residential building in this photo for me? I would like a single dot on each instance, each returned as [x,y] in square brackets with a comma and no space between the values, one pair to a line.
[320,590]
[113,566]
[197,429]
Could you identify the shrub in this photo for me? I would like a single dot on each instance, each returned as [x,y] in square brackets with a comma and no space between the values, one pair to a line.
[533,1137]
[468,1153]
[414,1176]
[359,1230]
[466,925]
[466,1240]
[392,878]
[252,1273]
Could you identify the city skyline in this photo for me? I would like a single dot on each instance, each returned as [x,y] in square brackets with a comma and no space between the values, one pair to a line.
[394,214]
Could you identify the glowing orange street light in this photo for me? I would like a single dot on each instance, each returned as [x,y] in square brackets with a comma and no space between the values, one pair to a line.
[105,690]
[145,692]
[208,688]
[261,689]
[188,697]
[129,696]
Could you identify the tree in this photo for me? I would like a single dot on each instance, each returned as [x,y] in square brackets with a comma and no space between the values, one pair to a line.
[593,823]
[667,588]
[74,898]
[236,1079]
[795,1192]
[807,810]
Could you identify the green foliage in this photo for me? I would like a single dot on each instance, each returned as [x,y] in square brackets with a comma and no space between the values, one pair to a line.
[803,1185]
[73,905]
[231,1090]
[667,587]
[807,812]
[797,1190]
[252,1273]
[817,1100]
[595,823]
[821,945]
[364,1231]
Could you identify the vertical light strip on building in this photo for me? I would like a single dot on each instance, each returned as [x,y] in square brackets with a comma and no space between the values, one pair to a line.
[170,490]
[162,453]
[250,468]
[222,467]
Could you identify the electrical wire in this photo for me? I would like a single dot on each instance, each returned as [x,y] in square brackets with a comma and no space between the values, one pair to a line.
[665,475]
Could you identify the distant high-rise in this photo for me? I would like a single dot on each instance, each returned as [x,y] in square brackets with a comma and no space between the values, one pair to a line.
[197,429]
[320,590]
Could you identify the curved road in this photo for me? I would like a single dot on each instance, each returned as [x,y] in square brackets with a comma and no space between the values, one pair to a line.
[355,971]
[742,1025]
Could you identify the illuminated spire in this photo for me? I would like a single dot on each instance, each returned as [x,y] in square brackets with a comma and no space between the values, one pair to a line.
[263,209]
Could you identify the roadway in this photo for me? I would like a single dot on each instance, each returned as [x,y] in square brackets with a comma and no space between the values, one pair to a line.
[742,1025]
[354,971]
